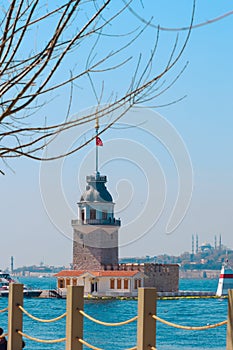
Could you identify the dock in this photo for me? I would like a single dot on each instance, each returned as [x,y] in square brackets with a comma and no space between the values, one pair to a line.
[58,294]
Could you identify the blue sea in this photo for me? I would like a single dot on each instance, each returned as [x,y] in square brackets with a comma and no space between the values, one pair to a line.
[191,312]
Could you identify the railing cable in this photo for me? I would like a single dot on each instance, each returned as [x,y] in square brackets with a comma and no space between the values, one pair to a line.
[88,345]
[108,324]
[191,328]
[3,335]
[95,348]
[4,310]
[48,341]
[39,319]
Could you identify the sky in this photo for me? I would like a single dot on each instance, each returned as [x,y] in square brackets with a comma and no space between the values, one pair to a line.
[169,168]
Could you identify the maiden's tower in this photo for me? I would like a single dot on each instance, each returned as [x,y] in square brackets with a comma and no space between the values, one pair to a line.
[95,248]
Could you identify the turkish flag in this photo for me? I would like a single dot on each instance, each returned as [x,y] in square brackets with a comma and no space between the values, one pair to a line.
[98,141]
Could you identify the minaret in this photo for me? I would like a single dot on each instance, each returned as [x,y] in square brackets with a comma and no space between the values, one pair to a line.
[192,254]
[220,242]
[12,264]
[95,233]
[197,244]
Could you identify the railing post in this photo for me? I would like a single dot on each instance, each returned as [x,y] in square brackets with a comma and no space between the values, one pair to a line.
[230,320]
[15,317]
[146,328]
[74,320]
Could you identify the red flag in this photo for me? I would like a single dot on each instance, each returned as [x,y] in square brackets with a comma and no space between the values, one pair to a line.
[98,141]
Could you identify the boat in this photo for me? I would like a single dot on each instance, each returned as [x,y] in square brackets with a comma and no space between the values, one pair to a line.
[225,281]
[6,279]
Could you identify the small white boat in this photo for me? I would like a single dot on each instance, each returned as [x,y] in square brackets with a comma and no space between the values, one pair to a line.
[6,279]
[225,281]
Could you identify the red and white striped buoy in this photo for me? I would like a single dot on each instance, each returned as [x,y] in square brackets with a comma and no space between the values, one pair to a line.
[225,281]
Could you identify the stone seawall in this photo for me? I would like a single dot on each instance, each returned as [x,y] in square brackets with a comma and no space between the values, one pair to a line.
[199,273]
[163,277]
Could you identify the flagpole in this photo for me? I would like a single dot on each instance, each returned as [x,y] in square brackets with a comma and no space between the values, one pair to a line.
[96,146]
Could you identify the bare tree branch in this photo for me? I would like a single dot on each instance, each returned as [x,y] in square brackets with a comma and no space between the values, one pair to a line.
[179,29]
[30,74]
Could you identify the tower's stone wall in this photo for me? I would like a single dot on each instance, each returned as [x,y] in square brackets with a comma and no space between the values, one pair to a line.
[94,247]
[90,258]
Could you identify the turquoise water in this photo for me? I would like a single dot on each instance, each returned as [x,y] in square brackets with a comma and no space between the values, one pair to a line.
[191,312]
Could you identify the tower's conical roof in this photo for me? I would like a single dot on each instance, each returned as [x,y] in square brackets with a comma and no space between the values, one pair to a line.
[96,191]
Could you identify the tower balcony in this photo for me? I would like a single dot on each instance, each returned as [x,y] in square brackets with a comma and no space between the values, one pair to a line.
[109,222]
[98,178]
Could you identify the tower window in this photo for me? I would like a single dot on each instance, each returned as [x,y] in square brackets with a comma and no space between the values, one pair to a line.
[83,215]
[92,214]
[104,215]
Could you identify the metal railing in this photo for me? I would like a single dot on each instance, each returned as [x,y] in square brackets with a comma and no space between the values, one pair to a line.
[111,222]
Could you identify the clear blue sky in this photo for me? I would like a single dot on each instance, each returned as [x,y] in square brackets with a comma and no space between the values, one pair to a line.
[203,120]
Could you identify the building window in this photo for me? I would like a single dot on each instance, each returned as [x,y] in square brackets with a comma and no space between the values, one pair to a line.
[126,284]
[61,283]
[112,283]
[104,215]
[82,215]
[92,214]
[137,283]
[67,282]
[81,235]
[74,281]
[118,283]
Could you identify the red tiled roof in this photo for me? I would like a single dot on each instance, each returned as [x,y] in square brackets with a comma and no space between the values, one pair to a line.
[101,273]
[69,273]
[115,273]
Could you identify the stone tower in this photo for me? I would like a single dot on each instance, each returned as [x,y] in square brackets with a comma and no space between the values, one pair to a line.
[95,233]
